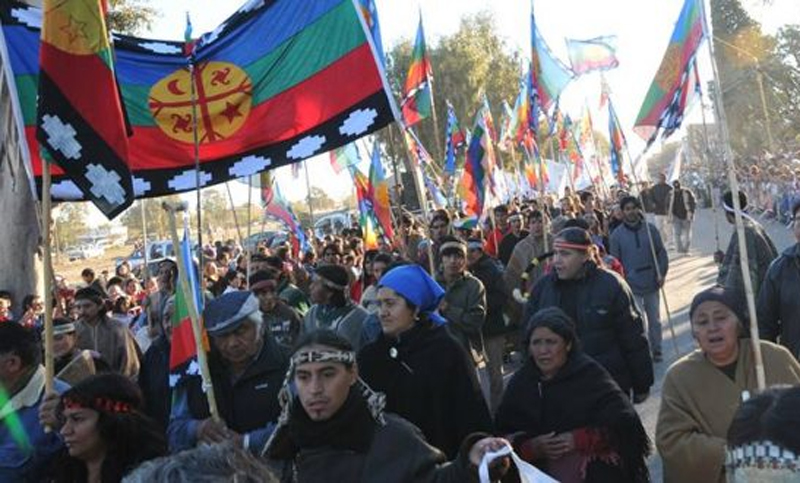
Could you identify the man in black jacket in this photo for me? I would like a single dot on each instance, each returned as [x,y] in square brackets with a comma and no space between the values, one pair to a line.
[778,301]
[494,329]
[682,207]
[660,195]
[247,367]
[609,326]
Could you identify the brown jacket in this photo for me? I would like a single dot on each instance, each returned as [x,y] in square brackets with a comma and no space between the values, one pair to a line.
[115,343]
[698,402]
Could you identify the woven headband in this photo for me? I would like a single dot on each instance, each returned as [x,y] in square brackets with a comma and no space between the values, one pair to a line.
[314,355]
[453,245]
[104,404]
[475,245]
[763,455]
[331,284]
[571,246]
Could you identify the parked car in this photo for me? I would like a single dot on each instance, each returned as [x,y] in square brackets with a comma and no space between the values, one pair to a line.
[84,252]
[156,252]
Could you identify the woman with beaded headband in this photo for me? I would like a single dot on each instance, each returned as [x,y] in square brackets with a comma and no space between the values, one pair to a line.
[333,427]
[105,433]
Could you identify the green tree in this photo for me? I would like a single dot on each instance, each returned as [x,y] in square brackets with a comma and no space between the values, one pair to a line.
[70,223]
[471,62]
[130,16]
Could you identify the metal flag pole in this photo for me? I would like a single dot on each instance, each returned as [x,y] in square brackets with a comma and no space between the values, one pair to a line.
[737,212]
[709,157]
[416,171]
[194,314]
[249,224]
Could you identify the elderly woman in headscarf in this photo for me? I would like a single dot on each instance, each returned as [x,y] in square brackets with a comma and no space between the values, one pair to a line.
[426,374]
[333,426]
[702,391]
[566,414]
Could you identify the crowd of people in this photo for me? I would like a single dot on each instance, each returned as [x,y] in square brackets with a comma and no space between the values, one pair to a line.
[538,329]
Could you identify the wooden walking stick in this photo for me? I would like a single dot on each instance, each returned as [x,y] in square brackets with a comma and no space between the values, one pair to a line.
[202,358]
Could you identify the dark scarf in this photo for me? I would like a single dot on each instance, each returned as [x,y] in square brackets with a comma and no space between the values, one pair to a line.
[351,428]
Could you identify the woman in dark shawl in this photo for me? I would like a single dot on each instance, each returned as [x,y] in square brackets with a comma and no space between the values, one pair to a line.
[565,413]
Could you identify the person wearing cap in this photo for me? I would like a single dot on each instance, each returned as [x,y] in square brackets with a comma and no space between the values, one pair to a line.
[332,307]
[702,390]
[631,245]
[281,320]
[97,332]
[682,206]
[464,302]
[514,235]
[760,249]
[246,366]
[608,324]
[494,330]
[333,427]
[71,364]
[427,376]
[778,301]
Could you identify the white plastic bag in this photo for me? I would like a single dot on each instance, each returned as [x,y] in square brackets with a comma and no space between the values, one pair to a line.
[527,472]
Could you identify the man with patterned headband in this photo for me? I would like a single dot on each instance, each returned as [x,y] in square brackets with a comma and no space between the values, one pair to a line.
[247,367]
[464,303]
[332,307]
[514,235]
[609,326]
[333,427]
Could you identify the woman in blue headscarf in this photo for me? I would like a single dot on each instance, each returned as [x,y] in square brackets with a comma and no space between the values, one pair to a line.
[425,373]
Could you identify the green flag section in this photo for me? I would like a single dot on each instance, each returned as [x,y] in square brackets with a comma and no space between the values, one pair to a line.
[275,83]
[664,95]
[418,94]
[80,120]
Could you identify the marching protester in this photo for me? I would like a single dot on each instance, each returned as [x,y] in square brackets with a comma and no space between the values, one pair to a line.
[333,427]
[702,390]
[646,264]
[71,364]
[104,430]
[494,329]
[369,299]
[682,208]
[246,366]
[110,338]
[607,322]
[27,449]
[279,318]
[778,300]
[660,195]
[439,228]
[513,236]
[564,412]
[464,302]
[332,308]
[526,251]
[427,376]
[763,442]
[497,232]
[760,249]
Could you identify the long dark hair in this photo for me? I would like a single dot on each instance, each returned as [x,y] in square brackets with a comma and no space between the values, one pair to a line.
[130,437]
[556,320]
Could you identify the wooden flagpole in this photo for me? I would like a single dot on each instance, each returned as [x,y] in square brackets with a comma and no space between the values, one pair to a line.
[47,209]
[421,196]
[194,315]
[737,212]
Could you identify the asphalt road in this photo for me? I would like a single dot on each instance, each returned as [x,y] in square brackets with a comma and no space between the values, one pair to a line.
[689,274]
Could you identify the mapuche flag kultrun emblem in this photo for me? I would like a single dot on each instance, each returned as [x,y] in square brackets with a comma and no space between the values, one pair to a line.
[80,118]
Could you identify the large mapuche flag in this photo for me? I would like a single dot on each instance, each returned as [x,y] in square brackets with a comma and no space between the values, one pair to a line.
[275,83]
[80,119]
[664,96]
